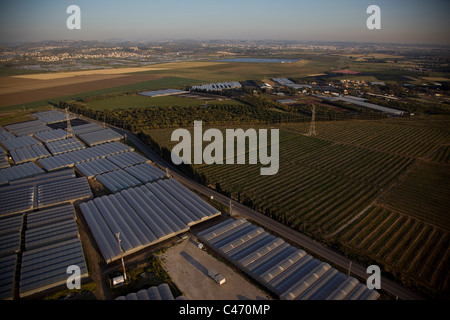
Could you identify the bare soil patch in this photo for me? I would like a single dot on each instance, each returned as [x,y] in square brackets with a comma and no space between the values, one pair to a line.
[188,268]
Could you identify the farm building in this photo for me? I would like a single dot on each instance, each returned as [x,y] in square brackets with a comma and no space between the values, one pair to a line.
[18,172]
[28,128]
[50,244]
[52,116]
[162,93]
[218,86]
[161,292]
[42,191]
[144,216]
[64,145]
[101,136]
[289,272]
[69,159]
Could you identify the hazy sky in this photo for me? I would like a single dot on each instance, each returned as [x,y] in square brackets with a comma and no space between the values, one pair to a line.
[402,21]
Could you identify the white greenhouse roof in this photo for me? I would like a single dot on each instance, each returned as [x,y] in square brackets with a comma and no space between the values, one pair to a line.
[146,172]
[127,159]
[7,276]
[161,292]
[28,128]
[144,216]
[69,159]
[29,153]
[46,267]
[94,167]
[64,145]
[99,137]
[20,142]
[52,116]
[52,135]
[5,135]
[86,128]
[20,171]
[161,93]
[117,180]
[63,191]
[289,272]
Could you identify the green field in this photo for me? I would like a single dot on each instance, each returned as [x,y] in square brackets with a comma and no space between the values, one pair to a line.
[163,83]
[138,101]
[369,188]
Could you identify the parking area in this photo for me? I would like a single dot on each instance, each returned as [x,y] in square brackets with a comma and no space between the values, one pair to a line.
[188,267]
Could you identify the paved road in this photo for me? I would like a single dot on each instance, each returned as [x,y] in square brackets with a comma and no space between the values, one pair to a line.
[307,243]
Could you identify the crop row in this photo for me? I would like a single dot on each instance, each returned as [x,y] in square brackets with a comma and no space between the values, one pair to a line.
[425,194]
[402,243]
[442,155]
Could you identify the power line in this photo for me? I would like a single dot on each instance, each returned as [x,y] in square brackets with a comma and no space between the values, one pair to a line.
[312,128]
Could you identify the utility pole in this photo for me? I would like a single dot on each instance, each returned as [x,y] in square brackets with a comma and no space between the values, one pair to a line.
[69,130]
[312,128]
[349,268]
[121,257]
[231,205]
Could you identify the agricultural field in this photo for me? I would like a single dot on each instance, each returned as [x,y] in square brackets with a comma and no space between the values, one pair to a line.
[137,101]
[377,190]
[37,90]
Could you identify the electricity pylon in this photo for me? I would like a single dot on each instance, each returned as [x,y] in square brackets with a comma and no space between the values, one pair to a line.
[312,127]
[69,130]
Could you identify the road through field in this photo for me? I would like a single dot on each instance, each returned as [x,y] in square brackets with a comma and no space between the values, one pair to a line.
[303,241]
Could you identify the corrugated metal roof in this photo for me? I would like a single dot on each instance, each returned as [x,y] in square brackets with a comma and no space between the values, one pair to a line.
[283,269]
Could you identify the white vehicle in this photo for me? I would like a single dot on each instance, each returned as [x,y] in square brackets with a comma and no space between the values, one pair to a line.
[217,277]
